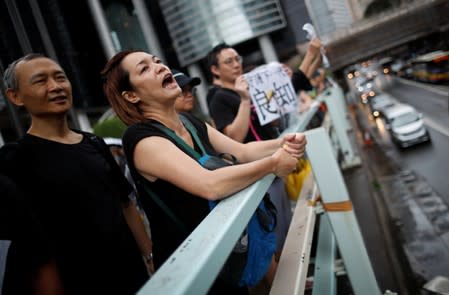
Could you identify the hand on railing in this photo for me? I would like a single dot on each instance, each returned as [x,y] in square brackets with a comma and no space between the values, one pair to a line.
[295,144]
[286,157]
[284,163]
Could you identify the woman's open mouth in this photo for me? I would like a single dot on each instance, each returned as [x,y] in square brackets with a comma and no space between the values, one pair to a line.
[169,82]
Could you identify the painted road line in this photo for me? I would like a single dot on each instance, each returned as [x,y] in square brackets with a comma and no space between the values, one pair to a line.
[434,125]
[427,87]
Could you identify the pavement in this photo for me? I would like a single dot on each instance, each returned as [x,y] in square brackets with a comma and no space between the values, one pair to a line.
[403,221]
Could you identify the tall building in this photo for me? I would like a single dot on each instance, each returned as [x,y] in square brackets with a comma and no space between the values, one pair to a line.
[329,15]
[196,26]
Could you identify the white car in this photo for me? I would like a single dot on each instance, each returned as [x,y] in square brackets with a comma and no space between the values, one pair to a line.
[406,125]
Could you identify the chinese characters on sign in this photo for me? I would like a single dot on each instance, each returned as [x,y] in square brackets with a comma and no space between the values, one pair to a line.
[271,91]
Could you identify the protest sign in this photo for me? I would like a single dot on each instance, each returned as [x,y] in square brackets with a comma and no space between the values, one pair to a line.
[271,92]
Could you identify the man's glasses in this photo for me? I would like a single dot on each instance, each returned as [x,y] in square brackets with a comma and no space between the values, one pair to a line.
[231,60]
[189,89]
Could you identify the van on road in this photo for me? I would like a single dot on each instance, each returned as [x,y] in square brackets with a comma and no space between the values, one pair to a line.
[406,125]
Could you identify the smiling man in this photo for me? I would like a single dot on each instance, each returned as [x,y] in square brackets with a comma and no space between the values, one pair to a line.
[79,195]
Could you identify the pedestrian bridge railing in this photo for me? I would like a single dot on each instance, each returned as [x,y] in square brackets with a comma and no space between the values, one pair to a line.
[193,267]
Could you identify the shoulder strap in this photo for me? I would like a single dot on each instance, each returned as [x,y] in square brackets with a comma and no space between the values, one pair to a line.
[192,130]
[253,131]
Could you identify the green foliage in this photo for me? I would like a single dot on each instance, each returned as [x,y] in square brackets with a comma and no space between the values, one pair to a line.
[111,127]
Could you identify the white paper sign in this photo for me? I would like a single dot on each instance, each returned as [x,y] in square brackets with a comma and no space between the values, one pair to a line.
[311,33]
[271,92]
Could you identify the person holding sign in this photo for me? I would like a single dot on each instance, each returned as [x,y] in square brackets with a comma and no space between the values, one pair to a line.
[234,115]
[229,99]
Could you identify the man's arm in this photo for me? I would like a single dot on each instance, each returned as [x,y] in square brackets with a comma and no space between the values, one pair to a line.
[47,281]
[138,228]
[239,128]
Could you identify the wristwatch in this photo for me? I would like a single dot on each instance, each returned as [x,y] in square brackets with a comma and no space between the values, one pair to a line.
[148,258]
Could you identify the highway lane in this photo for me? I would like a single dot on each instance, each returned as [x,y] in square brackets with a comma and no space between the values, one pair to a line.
[431,161]
[419,222]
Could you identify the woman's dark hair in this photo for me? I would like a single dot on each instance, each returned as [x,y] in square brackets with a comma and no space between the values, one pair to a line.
[115,81]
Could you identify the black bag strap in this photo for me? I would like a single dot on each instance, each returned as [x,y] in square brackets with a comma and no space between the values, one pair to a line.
[194,133]
[192,130]
[164,207]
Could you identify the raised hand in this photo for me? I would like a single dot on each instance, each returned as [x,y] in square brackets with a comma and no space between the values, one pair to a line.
[241,86]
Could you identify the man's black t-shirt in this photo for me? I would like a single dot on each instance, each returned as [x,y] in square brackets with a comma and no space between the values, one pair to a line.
[22,242]
[224,104]
[78,198]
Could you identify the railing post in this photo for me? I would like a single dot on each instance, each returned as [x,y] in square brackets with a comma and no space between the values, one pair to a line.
[293,266]
[339,123]
[324,280]
[338,207]
[337,93]
[340,97]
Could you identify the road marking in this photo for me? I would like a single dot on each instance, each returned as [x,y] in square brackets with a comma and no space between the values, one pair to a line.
[421,85]
[434,125]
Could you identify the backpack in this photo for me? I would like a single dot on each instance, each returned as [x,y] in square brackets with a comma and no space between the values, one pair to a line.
[253,252]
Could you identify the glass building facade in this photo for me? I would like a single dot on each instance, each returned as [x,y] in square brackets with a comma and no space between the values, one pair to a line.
[195,26]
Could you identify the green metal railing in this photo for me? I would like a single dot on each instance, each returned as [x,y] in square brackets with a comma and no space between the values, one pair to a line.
[193,267]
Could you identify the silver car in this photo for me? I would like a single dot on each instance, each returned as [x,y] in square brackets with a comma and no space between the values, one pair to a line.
[406,125]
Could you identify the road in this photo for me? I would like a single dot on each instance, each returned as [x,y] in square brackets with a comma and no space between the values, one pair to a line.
[429,161]
[413,182]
